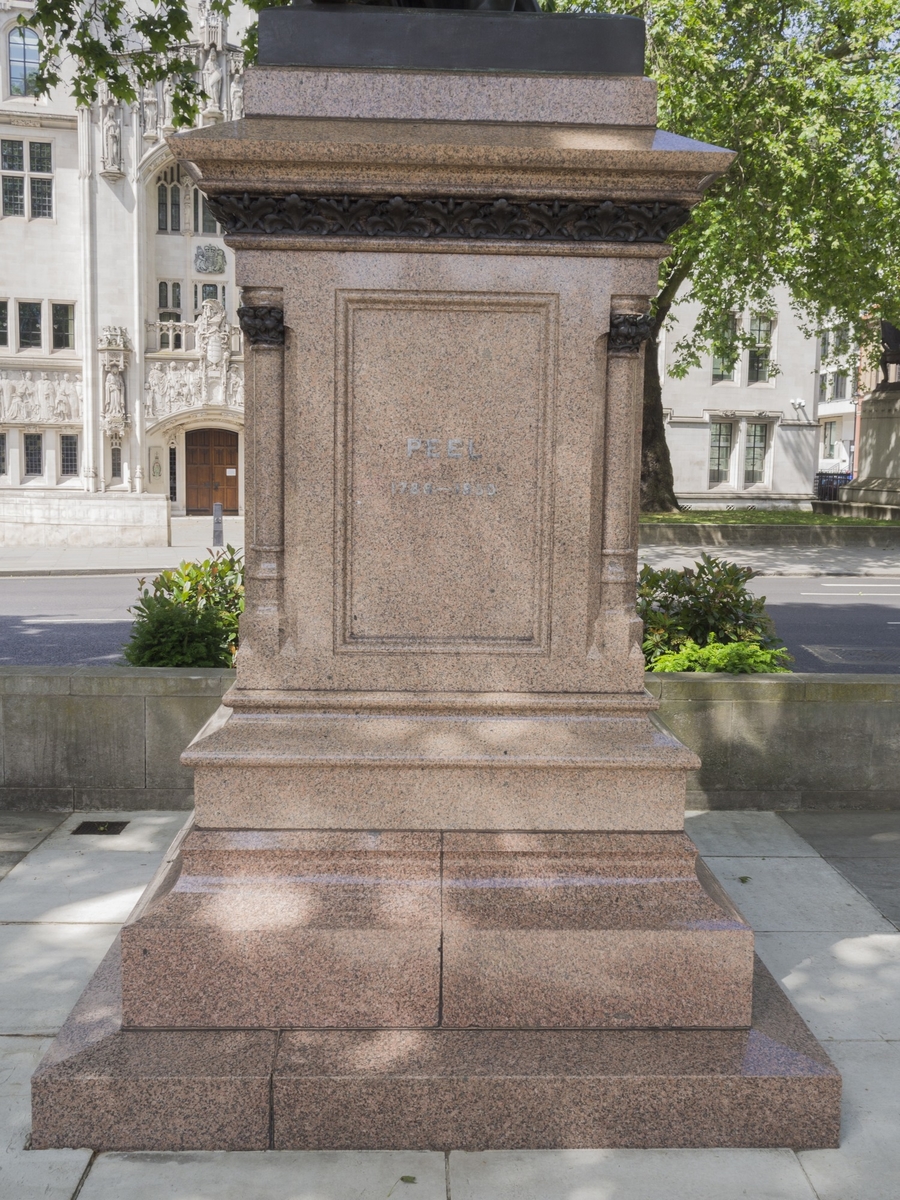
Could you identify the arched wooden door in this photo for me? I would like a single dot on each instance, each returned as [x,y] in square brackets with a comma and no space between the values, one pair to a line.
[211,470]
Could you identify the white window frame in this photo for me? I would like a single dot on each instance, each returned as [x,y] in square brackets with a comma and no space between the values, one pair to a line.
[27,175]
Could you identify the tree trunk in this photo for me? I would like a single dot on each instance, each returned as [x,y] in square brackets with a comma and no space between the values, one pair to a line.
[657,484]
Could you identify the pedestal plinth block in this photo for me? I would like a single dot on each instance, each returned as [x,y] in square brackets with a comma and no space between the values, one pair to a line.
[437,893]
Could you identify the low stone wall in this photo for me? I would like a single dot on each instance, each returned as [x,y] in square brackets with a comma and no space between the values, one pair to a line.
[787,741]
[886,537]
[111,738]
[64,517]
[101,738]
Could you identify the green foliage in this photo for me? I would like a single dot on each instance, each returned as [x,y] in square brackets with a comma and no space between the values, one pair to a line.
[707,602]
[126,45]
[735,658]
[168,634]
[758,516]
[806,92]
[190,617]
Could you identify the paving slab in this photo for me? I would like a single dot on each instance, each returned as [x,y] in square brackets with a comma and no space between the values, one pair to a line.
[44,968]
[88,878]
[628,1175]
[878,879]
[795,894]
[8,860]
[756,834]
[845,988]
[24,1174]
[867,1166]
[272,1175]
[22,831]
[782,560]
[849,834]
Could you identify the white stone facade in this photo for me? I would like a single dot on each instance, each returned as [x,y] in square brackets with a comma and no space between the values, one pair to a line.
[748,436]
[118,294]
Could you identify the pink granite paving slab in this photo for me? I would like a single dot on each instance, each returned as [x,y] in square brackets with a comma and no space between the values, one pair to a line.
[771,1085]
[110,1090]
[290,929]
[587,930]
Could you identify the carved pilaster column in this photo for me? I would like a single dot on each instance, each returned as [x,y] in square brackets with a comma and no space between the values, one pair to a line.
[618,630]
[262,323]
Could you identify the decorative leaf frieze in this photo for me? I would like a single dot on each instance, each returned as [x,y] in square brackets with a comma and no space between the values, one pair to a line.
[506,220]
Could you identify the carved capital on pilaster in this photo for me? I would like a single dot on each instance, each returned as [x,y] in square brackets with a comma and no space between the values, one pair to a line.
[628,332]
[262,324]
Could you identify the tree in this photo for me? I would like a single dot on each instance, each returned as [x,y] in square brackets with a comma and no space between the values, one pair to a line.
[806,92]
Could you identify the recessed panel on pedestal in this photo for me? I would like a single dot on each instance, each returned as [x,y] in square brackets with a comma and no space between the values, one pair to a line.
[443,471]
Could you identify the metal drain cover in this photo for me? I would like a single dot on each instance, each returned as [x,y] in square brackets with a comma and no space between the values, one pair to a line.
[109,828]
[857,656]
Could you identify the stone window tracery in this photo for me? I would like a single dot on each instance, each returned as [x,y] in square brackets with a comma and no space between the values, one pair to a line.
[27,175]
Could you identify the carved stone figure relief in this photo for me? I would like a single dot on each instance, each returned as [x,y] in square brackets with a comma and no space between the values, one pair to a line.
[111,141]
[237,96]
[151,115]
[54,398]
[212,82]
[202,377]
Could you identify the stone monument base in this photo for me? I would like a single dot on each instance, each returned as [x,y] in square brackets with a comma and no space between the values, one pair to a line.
[426,1089]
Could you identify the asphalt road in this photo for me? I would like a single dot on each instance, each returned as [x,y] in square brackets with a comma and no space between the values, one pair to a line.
[65,620]
[836,623]
[852,623]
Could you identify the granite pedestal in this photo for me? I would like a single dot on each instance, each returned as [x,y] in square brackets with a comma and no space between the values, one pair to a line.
[437,893]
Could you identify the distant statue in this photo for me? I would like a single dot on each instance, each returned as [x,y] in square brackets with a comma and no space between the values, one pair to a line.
[115,393]
[211,332]
[212,81]
[890,348]
[151,114]
[169,104]
[237,96]
[112,141]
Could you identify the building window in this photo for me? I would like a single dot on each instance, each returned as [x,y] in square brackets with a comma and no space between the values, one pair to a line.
[755,453]
[209,291]
[209,221]
[29,325]
[116,460]
[721,371]
[840,386]
[169,338]
[721,438]
[63,326]
[760,353]
[40,190]
[2,453]
[68,454]
[828,438]
[23,61]
[34,454]
[173,462]
[162,208]
[175,208]
[4,322]
[823,389]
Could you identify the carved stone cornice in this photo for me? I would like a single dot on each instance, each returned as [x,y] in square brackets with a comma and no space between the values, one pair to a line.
[262,324]
[449,217]
[628,332]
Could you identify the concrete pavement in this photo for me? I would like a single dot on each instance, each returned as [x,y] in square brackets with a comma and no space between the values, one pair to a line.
[822,927]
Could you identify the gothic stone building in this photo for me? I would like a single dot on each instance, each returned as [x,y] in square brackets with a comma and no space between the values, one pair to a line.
[121,367]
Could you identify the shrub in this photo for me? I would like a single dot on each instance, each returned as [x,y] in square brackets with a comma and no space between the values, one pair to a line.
[190,617]
[737,658]
[708,602]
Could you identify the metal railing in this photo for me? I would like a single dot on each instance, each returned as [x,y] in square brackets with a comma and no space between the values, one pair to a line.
[827,483]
